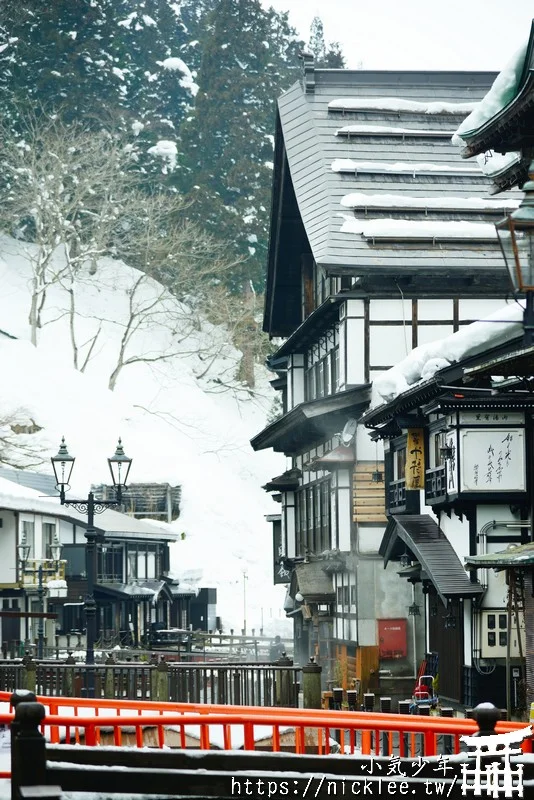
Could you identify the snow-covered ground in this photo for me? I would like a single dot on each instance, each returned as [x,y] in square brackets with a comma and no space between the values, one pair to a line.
[177,426]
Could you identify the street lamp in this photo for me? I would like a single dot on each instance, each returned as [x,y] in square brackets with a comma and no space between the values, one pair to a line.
[24,553]
[516,237]
[119,465]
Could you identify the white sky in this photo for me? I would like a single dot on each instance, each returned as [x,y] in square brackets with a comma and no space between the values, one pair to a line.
[417,34]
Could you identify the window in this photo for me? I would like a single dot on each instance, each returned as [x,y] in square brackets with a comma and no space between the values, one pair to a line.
[49,535]
[110,563]
[322,366]
[313,518]
[74,555]
[28,536]
[399,464]
[132,564]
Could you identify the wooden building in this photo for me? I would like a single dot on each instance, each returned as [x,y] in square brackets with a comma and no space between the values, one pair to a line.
[382,239]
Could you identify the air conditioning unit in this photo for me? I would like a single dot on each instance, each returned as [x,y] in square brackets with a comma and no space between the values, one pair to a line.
[494,638]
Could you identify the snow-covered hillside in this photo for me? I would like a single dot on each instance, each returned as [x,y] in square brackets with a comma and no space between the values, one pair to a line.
[178,427]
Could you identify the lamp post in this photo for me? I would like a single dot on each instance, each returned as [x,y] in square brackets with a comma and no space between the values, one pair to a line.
[24,552]
[516,237]
[119,465]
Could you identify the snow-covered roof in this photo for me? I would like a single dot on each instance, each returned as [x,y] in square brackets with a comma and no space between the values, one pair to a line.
[399,104]
[334,132]
[350,165]
[423,362]
[418,229]
[15,497]
[503,90]
[362,200]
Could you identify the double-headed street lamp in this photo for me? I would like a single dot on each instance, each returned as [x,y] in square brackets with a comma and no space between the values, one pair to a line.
[119,465]
[516,237]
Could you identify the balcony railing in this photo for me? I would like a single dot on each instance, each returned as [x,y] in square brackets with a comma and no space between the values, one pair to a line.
[52,570]
[435,484]
[397,495]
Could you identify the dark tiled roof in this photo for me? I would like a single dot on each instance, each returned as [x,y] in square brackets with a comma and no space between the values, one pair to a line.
[429,545]
[516,556]
[312,421]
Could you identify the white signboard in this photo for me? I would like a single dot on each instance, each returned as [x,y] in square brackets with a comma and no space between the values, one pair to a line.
[492,417]
[493,460]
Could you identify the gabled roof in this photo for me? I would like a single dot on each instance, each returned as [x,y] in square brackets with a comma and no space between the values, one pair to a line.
[431,548]
[356,134]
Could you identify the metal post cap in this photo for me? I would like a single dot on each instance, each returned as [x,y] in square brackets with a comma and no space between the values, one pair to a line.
[311,667]
[486,716]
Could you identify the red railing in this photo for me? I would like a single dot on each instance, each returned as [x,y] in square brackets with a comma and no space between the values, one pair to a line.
[238,727]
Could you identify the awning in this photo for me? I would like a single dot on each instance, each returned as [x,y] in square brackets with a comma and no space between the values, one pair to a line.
[313,421]
[339,458]
[287,482]
[148,590]
[314,584]
[431,548]
[514,557]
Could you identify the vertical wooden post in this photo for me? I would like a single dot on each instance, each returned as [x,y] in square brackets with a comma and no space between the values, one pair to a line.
[31,674]
[162,682]
[283,682]
[109,678]
[311,684]
[27,747]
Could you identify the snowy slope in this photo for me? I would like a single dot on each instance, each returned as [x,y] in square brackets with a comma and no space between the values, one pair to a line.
[176,427]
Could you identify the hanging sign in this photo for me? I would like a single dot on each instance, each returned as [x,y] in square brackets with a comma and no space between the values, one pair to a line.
[415,459]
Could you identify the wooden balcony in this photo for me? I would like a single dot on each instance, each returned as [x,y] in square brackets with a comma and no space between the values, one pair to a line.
[435,485]
[401,501]
[52,571]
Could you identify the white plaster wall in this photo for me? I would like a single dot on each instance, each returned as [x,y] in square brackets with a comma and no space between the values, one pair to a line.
[288,524]
[390,309]
[344,491]
[367,450]
[369,538]
[355,333]
[389,345]
[431,333]
[295,382]
[434,309]
[8,547]
[472,309]
[457,532]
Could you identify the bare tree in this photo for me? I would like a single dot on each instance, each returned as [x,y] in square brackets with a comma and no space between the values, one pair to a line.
[62,191]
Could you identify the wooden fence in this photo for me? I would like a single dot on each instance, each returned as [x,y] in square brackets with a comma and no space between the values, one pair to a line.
[228,684]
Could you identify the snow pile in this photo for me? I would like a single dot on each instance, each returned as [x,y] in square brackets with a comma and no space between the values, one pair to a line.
[349,165]
[388,129]
[491,163]
[423,362]
[166,150]
[503,90]
[418,229]
[361,200]
[399,104]
[177,427]
[175,64]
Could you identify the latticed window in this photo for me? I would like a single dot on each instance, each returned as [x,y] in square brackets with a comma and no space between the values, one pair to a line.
[313,518]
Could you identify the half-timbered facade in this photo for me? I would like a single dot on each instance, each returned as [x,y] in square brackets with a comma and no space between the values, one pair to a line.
[382,239]
[471,497]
